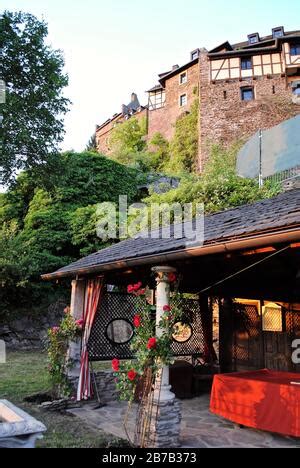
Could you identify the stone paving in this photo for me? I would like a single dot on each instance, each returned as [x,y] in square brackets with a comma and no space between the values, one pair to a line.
[199,428]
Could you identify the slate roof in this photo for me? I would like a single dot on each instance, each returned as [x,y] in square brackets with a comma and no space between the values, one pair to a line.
[155,88]
[266,44]
[272,215]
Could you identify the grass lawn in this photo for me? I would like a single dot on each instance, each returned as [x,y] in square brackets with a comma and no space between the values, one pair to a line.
[25,374]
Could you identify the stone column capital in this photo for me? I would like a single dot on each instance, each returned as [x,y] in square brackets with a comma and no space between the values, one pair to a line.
[163,272]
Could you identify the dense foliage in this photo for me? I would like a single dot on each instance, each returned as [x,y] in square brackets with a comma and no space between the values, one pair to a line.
[35,104]
[42,230]
[218,188]
[128,140]
[184,145]
[129,146]
[59,362]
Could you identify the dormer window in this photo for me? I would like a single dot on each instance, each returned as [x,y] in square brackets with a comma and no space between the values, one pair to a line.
[253,38]
[278,32]
[195,54]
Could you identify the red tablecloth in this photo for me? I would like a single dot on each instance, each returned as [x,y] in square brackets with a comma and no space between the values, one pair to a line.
[263,400]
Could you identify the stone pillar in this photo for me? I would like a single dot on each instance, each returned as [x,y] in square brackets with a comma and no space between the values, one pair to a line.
[166,411]
[77,308]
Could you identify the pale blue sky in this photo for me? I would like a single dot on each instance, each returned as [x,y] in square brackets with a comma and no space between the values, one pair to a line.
[114,48]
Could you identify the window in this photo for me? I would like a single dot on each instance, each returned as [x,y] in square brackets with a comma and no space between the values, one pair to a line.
[183,78]
[119,331]
[253,38]
[247,94]
[296,90]
[182,332]
[278,32]
[246,63]
[195,54]
[295,49]
[272,318]
[183,100]
[273,89]
[157,99]
[225,94]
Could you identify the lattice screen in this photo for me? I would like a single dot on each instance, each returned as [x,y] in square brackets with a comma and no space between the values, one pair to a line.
[123,306]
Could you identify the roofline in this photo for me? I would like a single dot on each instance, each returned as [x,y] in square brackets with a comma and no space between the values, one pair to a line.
[255,50]
[266,39]
[108,121]
[177,70]
[282,236]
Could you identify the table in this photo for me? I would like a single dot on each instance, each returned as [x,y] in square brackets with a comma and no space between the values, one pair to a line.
[265,400]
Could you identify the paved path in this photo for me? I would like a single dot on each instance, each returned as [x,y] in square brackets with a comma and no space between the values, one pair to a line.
[199,428]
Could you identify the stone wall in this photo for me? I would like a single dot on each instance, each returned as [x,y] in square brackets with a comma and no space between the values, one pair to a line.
[106,386]
[163,120]
[30,331]
[225,118]
[103,134]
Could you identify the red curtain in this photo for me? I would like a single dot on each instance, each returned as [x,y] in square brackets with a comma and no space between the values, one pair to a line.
[92,299]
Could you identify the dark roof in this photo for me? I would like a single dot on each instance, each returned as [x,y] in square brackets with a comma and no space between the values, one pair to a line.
[174,72]
[114,117]
[266,44]
[225,45]
[265,39]
[161,75]
[272,216]
[155,88]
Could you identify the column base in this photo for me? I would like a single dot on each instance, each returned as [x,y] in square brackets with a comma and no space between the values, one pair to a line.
[164,395]
[165,425]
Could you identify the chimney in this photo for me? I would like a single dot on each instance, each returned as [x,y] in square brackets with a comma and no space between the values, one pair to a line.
[175,67]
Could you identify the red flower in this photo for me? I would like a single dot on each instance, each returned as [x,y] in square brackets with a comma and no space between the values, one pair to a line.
[67,310]
[115,365]
[172,277]
[55,330]
[167,308]
[141,292]
[132,375]
[137,321]
[135,288]
[79,323]
[152,342]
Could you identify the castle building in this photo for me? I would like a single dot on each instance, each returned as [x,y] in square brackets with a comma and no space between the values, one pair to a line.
[241,88]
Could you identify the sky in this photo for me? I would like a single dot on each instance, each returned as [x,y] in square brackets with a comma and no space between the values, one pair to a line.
[114,48]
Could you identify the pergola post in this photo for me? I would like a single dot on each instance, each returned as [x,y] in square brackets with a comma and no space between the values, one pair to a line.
[77,309]
[166,411]
[163,299]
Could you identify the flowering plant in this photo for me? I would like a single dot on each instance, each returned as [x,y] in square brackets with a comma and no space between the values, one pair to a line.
[150,351]
[57,348]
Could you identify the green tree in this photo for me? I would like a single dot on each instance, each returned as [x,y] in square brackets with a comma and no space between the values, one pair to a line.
[43,230]
[92,144]
[184,144]
[128,140]
[35,104]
